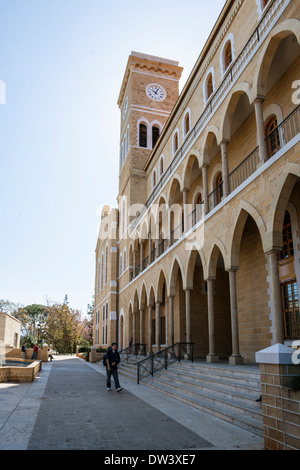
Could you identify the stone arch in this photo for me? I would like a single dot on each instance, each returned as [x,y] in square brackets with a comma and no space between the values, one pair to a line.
[238,90]
[151,296]
[285,185]
[212,134]
[189,277]
[162,278]
[187,172]
[176,266]
[143,297]
[217,248]
[245,209]
[279,32]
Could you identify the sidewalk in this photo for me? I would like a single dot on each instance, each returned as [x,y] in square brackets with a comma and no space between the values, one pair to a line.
[68,407]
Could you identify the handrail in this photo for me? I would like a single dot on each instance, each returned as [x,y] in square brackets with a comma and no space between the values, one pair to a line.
[164,358]
[133,350]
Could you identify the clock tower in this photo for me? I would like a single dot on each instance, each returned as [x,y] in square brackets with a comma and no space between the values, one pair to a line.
[148,94]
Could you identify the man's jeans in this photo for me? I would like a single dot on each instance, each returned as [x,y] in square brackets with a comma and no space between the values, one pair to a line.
[114,373]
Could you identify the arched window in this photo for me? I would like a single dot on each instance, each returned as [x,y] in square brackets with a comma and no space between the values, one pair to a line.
[209,86]
[155,135]
[154,179]
[175,142]
[227,55]
[287,237]
[143,136]
[218,188]
[187,123]
[161,167]
[272,136]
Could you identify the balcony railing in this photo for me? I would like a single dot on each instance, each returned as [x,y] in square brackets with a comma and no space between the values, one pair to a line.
[282,135]
[212,105]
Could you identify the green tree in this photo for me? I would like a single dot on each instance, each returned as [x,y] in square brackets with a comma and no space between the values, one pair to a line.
[63,327]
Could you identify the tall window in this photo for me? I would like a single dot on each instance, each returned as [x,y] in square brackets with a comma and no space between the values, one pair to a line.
[287,237]
[175,142]
[154,179]
[155,135]
[143,136]
[272,136]
[219,188]
[187,124]
[290,303]
[161,166]
[227,55]
[209,86]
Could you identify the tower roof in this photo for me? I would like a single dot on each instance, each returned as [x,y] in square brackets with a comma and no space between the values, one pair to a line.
[141,61]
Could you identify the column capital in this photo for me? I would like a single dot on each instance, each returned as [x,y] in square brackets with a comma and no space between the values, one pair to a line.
[259,99]
[205,166]
[232,269]
[210,278]
[275,249]
[224,142]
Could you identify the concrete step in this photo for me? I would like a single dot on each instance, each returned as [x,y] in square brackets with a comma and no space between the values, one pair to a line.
[227,392]
[242,420]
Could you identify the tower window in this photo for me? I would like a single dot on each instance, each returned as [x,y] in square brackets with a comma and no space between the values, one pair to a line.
[143,136]
[155,135]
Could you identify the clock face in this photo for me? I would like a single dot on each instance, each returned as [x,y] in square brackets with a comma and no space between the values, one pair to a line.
[125,108]
[156,92]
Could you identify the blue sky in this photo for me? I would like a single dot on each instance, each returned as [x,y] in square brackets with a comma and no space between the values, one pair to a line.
[62,62]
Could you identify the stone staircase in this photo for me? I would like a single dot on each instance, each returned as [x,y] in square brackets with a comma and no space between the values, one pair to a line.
[224,391]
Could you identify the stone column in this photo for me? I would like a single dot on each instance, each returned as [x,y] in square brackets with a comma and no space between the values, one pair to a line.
[235,358]
[205,188]
[185,209]
[134,328]
[211,357]
[141,327]
[158,325]
[260,127]
[276,297]
[134,264]
[150,330]
[141,255]
[224,152]
[171,314]
[188,315]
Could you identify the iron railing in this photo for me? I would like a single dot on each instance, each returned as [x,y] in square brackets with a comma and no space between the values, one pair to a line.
[284,132]
[134,350]
[163,359]
[245,169]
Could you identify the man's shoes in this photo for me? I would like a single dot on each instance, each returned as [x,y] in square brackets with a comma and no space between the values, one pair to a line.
[119,389]
[108,389]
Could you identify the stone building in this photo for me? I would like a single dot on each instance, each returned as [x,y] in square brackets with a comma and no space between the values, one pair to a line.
[204,244]
[10,333]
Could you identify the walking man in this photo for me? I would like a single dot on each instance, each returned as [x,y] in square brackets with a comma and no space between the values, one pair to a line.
[112,361]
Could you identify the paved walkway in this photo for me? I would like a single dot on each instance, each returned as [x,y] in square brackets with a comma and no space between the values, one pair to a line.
[68,407]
